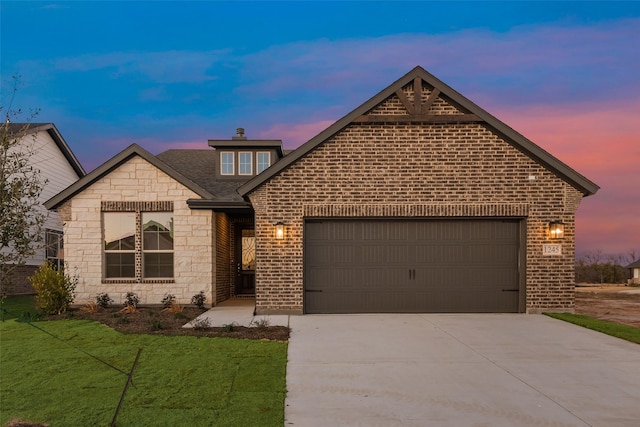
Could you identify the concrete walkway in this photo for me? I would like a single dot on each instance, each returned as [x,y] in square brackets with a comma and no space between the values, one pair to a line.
[458,370]
[238,311]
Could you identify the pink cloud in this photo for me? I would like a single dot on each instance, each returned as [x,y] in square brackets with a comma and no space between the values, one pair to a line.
[602,142]
[552,59]
[293,135]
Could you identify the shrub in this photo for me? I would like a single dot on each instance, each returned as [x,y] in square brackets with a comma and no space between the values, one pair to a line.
[168,300]
[104,300]
[229,327]
[55,289]
[90,307]
[175,308]
[131,300]
[157,325]
[199,300]
[201,324]
[262,323]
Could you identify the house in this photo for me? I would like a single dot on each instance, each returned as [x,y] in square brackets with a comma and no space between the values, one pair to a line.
[60,168]
[634,269]
[416,201]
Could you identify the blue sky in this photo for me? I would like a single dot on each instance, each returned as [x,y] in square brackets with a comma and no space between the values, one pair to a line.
[174,74]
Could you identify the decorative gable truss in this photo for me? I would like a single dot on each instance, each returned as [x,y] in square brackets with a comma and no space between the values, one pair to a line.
[417,102]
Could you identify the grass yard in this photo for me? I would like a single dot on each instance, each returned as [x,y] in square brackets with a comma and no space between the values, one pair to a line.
[17,307]
[179,380]
[626,332]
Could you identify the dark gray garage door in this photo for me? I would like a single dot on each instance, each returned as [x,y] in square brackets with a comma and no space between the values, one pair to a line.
[411,266]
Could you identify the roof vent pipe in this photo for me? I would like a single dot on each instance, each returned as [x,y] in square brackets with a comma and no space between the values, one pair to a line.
[239,135]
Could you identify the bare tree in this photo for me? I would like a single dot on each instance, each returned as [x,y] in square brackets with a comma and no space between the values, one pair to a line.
[21,217]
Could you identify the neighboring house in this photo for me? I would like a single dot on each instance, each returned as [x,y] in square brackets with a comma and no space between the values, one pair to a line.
[634,269]
[60,168]
[416,201]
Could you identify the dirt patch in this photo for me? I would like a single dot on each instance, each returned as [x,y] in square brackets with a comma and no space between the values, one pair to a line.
[615,304]
[155,321]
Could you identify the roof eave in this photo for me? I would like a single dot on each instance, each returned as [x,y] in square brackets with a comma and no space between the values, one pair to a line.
[111,164]
[60,142]
[240,144]
[66,151]
[523,144]
[217,205]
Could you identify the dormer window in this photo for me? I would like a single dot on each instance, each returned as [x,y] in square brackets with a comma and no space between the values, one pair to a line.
[263,161]
[241,158]
[245,163]
[227,164]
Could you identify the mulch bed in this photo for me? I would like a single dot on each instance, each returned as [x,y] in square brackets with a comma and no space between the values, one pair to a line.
[156,321]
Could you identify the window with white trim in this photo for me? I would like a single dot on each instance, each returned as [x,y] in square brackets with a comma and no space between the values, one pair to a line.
[151,232]
[157,244]
[263,161]
[54,246]
[119,230]
[245,163]
[227,166]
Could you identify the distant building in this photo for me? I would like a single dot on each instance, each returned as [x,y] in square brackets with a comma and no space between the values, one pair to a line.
[59,166]
[634,268]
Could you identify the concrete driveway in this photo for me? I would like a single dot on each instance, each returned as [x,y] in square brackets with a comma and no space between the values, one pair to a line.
[458,370]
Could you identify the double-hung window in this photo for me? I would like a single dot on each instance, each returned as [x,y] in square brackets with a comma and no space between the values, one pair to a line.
[119,244]
[138,239]
[245,163]
[54,245]
[227,164]
[263,161]
[157,244]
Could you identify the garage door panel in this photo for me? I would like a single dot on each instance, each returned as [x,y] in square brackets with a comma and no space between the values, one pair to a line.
[388,254]
[356,266]
[386,232]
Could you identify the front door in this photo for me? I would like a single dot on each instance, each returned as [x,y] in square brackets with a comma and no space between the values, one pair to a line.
[246,261]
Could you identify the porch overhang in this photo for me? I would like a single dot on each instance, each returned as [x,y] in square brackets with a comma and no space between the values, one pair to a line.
[221,206]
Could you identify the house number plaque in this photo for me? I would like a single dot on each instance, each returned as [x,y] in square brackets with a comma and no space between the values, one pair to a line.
[552,249]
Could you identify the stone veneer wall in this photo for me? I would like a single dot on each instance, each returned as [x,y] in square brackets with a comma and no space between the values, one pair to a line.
[414,170]
[138,181]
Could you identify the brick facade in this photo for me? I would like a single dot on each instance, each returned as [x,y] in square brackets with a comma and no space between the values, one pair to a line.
[414,170]
[20,284]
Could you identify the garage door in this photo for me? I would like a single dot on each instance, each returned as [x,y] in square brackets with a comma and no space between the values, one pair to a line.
[411,266]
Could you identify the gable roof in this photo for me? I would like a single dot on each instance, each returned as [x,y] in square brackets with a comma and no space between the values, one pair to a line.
[117,160]
[475,113]
[635,264]
[21,129]
[198,166]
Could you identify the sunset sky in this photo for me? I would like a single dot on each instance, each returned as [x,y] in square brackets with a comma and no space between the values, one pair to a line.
[175,74]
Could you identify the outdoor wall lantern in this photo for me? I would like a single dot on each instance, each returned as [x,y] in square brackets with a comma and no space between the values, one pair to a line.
[556,229]
[279,228]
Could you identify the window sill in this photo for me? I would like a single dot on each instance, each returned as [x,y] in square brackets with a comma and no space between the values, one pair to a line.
[133,280]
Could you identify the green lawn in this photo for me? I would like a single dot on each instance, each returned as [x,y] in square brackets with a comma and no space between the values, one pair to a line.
[18,307]
[625,332]
[179,380]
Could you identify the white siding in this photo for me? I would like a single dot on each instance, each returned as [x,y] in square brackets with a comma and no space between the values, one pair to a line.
[53,167]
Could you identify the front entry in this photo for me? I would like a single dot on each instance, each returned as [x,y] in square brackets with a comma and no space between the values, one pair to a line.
[245,261]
